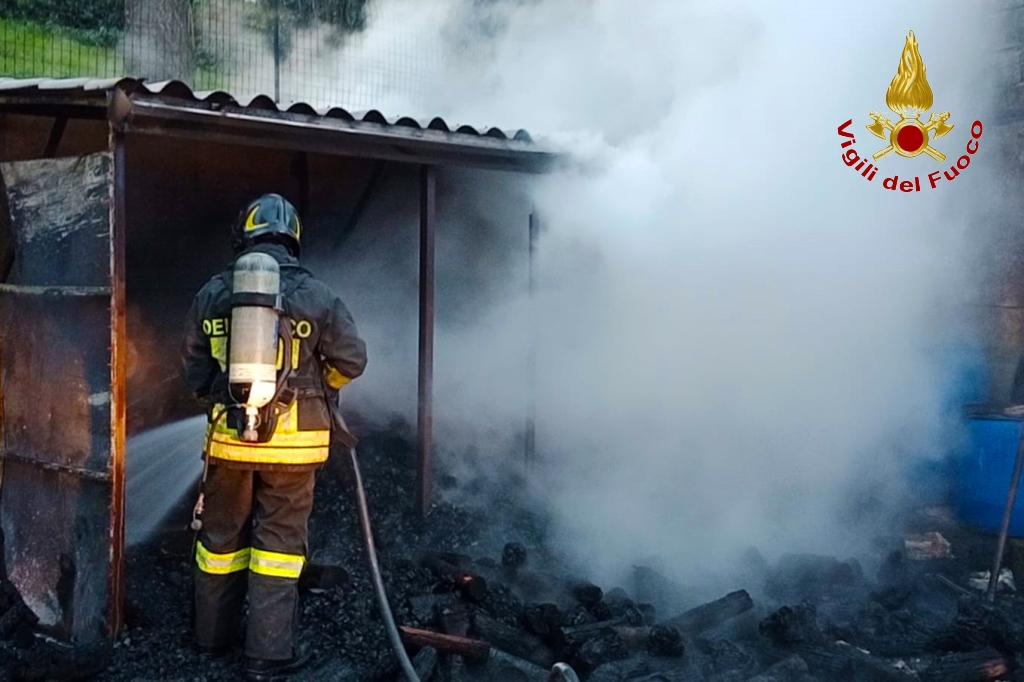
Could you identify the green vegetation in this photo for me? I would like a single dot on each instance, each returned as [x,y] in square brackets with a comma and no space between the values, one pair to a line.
[33,50]
[97,22]
[29,49]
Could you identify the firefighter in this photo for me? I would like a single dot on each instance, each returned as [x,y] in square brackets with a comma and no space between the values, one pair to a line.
[258,495]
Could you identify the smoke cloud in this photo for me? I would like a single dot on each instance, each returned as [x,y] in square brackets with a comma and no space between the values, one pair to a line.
[741,341]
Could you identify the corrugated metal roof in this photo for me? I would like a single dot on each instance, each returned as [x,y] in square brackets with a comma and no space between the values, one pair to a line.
[88,88]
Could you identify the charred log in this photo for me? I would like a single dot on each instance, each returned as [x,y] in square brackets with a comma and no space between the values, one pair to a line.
[722,658]
[980,625]
[513,556]
[455,620]
[472,649]
[513,641]
[456,669]
[844,662]
[579,615]
[451,568]
[626,610]
[798,575]
[665,640]
[427,608]
[975,666]
[606,646]
[532,672]
[577,635]
[544,620]
[425,662]
[792,625]
[659,640]
[585,592]
[713,613]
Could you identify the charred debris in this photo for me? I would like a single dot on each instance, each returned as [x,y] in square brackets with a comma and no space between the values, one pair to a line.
[482,598]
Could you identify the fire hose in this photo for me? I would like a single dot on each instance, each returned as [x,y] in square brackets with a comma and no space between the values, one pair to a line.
[378,582]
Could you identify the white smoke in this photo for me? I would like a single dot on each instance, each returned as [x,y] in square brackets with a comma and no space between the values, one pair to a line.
[738,334]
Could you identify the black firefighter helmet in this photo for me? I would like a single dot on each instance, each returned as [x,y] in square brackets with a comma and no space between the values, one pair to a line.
[271,214]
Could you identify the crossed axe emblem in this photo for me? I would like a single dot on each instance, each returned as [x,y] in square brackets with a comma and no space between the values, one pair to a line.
[913,142]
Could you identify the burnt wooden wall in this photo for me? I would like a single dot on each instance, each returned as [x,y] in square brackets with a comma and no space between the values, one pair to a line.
[56,510]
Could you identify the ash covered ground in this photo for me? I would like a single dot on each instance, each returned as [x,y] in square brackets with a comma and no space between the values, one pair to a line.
[488,573]
[341,624]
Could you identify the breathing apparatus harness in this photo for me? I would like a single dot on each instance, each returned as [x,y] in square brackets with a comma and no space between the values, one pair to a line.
[258,393]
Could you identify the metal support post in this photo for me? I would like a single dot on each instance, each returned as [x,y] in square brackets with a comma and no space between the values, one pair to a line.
[425,410]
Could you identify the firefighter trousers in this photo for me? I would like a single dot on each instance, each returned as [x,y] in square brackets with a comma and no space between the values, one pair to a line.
[253,542]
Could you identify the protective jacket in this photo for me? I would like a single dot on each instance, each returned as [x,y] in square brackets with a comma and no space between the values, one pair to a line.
[325,354]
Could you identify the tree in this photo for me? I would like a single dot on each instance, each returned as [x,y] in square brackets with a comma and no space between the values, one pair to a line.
[158,44]
[279,19]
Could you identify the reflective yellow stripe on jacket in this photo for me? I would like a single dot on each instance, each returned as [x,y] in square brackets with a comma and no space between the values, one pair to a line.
[287,446]
[221,564]
[276,564]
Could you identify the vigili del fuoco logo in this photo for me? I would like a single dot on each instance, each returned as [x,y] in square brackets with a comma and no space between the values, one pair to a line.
[909,95]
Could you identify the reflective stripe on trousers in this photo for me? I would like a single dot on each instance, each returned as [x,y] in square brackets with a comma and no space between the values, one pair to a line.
[274,564]
[221,564]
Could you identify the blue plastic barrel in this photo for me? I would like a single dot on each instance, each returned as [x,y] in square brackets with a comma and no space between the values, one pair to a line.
[962,373]
[983,474]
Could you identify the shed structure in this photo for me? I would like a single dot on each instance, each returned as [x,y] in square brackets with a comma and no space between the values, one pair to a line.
[110,188]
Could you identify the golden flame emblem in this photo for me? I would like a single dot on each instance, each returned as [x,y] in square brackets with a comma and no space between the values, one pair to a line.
[909,95]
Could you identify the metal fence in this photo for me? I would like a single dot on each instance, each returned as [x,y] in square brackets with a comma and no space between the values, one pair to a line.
[353,53]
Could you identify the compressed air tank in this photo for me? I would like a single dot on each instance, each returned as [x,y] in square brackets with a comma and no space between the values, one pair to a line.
[255,305]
